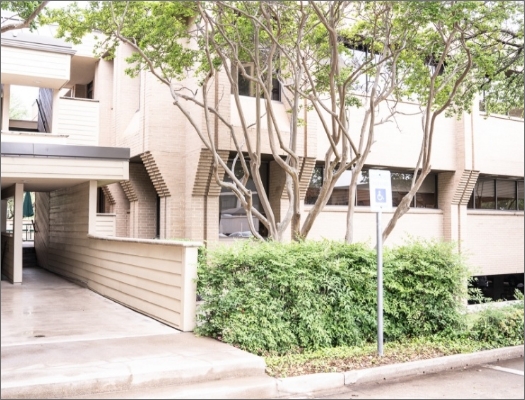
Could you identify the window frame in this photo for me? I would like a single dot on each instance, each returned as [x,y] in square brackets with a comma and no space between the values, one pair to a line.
[471,205]
[414,200]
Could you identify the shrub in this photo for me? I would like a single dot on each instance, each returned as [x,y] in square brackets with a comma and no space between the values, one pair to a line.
[425,284]
[499,327]
[309,295]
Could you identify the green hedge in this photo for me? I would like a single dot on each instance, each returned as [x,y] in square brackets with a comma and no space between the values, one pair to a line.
[499,327]
[267,296]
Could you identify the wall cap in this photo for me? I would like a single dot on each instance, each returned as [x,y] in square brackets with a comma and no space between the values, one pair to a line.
[506,213]
[366,210]
[162,242]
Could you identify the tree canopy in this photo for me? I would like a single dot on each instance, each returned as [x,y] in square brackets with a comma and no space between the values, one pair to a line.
[23,14]
[440,54]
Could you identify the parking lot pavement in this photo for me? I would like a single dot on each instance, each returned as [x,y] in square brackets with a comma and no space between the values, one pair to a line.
[501,380]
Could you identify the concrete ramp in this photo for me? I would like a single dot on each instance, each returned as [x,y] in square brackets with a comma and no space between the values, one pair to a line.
[60,340]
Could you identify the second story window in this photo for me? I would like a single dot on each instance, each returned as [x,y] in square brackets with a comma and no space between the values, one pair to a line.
[248,88]
[426,196]
[89,90]
[497,194]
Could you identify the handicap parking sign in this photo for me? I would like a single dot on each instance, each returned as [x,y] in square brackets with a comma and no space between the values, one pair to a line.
[380,190]
[381,196]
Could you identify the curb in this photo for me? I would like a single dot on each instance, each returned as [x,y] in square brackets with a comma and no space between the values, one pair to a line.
[308,384]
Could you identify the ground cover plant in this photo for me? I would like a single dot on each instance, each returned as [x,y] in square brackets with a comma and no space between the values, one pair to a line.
[274,298]
[341,359]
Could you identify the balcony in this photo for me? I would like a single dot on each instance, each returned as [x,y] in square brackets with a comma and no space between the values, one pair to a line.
[47,91]
[76,122]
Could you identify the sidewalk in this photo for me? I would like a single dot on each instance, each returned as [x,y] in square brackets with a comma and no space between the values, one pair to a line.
[60,340]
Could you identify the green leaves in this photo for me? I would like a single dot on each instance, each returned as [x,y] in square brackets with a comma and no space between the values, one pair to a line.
[159,28]
[272,297]
[499,327]
[27,11]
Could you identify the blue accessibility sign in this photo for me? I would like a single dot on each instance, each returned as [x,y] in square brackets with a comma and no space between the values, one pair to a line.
[381,195]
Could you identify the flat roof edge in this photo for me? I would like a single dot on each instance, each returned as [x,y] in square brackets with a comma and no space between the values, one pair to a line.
[62,150]
[50,48]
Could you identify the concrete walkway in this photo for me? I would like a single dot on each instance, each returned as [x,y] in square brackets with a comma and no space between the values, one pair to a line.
[61,340]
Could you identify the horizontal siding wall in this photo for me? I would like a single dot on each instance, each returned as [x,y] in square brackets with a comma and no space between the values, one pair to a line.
[418,223]
[79,119]
[42,228]
[64,168]
[494,242]
[8,244]
[18,61]
[153,277]
[106,224]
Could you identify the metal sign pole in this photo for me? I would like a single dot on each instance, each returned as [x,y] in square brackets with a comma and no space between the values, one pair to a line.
[379,286]
[380,185]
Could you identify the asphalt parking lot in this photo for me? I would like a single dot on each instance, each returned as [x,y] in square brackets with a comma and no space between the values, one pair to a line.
[501,380]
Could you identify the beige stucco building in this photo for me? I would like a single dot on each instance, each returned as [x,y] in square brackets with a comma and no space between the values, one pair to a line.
[120,175]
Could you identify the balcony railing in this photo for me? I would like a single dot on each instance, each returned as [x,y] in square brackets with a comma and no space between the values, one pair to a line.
[79,120]
[106,224]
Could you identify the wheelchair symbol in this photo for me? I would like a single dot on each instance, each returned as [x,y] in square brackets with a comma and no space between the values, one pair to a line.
[381,195]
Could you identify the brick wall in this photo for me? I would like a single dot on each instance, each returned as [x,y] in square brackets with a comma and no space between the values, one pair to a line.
[143,212]
[121,208]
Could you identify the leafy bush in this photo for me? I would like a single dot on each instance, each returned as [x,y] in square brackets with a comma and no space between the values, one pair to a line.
[277,297]
[499,327]
[425,284]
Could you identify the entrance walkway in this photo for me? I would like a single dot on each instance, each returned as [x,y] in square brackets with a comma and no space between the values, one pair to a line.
[46,308]
[61,340]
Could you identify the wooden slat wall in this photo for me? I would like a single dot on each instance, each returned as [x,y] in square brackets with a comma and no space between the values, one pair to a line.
[493,242]
[145,275]
[80,120]
[35,63]
[42,227]
[46,102]
[61,168]
[106,224]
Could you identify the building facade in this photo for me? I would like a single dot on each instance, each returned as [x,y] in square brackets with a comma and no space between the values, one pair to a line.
[473,196]
[165,191]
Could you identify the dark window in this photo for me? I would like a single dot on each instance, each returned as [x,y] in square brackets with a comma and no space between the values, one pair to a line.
[89,90]
[484,194]
[247,87]
[232,216]
[505,195]
[400,186]
[497,194]
[426,197]
[157,219]
[312,193]
[101,201]
[520,195]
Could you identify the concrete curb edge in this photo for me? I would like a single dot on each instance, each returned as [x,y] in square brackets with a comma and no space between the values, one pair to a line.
[312,383]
